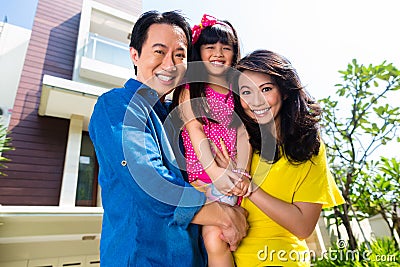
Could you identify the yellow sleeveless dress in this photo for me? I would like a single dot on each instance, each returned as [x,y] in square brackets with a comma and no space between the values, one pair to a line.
[267,243]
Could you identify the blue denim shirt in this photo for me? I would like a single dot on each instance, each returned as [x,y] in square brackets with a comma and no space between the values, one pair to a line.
[147,204]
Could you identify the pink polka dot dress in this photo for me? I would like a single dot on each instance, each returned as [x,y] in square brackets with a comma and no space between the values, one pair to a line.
[221,106]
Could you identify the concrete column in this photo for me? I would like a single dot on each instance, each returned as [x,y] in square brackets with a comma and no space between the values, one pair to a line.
[98,202]
[71,163]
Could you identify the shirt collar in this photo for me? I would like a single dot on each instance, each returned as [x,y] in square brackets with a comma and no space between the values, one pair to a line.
[142,89]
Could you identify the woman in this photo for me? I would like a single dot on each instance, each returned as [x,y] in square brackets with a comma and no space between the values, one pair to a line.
[289,168]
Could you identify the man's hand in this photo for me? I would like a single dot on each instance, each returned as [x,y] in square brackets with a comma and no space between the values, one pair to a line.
[231,220]
[235,227]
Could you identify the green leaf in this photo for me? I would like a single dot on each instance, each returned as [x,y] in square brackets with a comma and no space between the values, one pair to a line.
[360,112]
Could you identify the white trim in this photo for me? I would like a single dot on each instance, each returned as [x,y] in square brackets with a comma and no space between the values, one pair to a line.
[84,26]
[6,211]
[71,163]
[104,72]
[49,238]
[72,86]
[61,98]
[112,11]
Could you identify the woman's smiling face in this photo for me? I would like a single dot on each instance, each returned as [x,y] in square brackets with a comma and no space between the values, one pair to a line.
[259,96]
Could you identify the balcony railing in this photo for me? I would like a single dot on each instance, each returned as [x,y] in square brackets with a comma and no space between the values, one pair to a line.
[108,51]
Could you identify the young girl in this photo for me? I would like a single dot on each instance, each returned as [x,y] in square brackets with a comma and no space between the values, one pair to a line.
[293,176]
[207,112]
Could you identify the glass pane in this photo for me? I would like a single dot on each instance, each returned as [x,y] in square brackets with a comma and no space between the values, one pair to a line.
[108,51]
[86,191]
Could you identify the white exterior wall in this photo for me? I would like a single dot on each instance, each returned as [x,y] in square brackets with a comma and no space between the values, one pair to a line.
[14,42]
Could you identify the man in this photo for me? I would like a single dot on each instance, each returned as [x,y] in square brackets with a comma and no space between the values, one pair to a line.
[151,215]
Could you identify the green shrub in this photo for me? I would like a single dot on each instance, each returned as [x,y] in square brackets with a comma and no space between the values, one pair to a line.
[4,146]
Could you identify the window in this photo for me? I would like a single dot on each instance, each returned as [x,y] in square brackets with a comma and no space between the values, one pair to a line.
[86,192]
[107,50]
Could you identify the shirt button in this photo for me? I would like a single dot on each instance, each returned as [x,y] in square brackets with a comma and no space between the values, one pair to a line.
[123,163]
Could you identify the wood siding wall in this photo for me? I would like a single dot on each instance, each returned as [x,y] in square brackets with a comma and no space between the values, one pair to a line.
[35,173]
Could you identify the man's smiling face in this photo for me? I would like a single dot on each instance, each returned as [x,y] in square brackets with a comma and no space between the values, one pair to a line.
[163,59]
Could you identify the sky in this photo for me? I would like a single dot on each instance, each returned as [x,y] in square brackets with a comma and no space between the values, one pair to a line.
[318,37]
[18,12]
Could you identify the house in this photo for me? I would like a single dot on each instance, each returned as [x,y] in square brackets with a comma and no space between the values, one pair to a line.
[50,213]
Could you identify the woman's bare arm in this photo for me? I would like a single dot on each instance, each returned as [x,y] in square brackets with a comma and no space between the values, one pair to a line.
[299,218]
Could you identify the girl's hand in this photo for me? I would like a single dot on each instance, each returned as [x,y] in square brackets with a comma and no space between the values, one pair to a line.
[246,187]
[226,181]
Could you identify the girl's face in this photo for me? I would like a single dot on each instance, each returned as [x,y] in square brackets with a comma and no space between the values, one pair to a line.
[216,57]
[259,96]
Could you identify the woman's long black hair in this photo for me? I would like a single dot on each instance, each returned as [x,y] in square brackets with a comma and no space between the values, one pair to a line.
[299,137]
